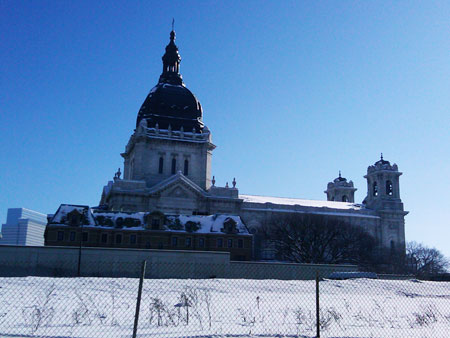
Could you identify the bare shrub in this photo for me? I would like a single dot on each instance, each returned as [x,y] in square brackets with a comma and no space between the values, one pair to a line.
[246,316]
[162,313]
[308,319]
[40,313]
[81,314]
[113,294]
[208,303]
[156,311]
[426,317]
[336,316]
[325,320]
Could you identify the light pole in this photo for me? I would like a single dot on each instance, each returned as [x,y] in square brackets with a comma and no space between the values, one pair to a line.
[81,242]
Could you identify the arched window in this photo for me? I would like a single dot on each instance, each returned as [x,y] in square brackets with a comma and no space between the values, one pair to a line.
[174,165]
[131,169]
[161,165]
[344,198]
[389,188]
[375,189]
[186,167]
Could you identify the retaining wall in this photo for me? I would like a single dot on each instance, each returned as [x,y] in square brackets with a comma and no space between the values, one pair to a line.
[113,262]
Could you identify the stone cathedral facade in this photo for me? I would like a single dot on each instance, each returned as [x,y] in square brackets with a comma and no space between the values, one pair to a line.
[167,171]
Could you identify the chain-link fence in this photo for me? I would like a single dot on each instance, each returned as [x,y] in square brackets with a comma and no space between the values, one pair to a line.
[216,307]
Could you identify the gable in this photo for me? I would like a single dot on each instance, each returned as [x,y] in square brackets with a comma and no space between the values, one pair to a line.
[178,186]
[179,191]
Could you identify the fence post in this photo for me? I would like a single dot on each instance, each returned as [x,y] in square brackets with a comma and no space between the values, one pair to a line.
[138,302]
[79,251]
[317,306]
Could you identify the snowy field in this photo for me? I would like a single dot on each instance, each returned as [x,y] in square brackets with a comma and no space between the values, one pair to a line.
[105,307]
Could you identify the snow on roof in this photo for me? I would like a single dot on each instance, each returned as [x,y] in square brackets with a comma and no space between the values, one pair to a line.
[302,202]
[116,215]
[212,223]
[65,209]
[177,223]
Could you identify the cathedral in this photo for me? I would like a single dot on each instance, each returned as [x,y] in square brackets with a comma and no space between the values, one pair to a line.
[167,198]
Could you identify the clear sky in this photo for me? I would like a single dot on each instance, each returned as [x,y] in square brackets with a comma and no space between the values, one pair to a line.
[293,91]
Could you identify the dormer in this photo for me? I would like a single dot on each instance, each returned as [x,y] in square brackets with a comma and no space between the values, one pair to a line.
[154,220]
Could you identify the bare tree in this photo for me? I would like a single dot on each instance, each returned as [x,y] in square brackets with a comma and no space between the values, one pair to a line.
[423,261]
[310,238]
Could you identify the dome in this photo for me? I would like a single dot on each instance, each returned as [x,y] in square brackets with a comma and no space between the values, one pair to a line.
[173,105]
[382,161]
[340,178]
[170,103]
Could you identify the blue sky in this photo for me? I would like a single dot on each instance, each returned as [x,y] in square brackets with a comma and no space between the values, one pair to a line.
[293,91]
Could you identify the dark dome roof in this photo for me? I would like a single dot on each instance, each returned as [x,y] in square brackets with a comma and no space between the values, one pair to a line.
[170,102]
[382,161]
[173,105]
[340,178]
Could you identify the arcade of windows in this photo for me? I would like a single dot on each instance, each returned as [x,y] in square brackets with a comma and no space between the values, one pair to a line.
[174,166]
[389,188]
[188,241]
[344,198]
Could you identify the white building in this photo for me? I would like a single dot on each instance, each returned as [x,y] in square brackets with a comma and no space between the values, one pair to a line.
[167,169]
[23,227]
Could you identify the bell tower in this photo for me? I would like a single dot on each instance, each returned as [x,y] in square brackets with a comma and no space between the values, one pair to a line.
[383,196]
[170,136]
[340,190]
[383,188]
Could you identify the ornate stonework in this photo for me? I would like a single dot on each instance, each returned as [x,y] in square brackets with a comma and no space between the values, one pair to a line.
[167,169]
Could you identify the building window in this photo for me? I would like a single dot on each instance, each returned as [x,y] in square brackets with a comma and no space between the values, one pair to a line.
[240,243]
[174,165]
[201,242]
[72,236]
[161,165]
[375,189]
[186,167]
[174,241]
[389,188]
[230,243]
[344,198]
[60,235]
[147,245]
[104,238]
[118,239]
[392,246]
[132,239]
[155,224]
[188,241]
[160,245]
[85,236]
[219,242]
[74,218]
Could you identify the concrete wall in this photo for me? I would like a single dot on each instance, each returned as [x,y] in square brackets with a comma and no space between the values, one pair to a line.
[108,262]
[284,271]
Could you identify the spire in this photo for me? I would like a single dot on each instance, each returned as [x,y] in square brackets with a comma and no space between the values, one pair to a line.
[171,62]
[381,156]
[339,174]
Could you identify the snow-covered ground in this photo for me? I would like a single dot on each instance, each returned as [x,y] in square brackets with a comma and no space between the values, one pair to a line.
[105,307]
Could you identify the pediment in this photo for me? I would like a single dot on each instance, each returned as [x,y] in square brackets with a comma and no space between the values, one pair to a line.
[178,191]
[178,186]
